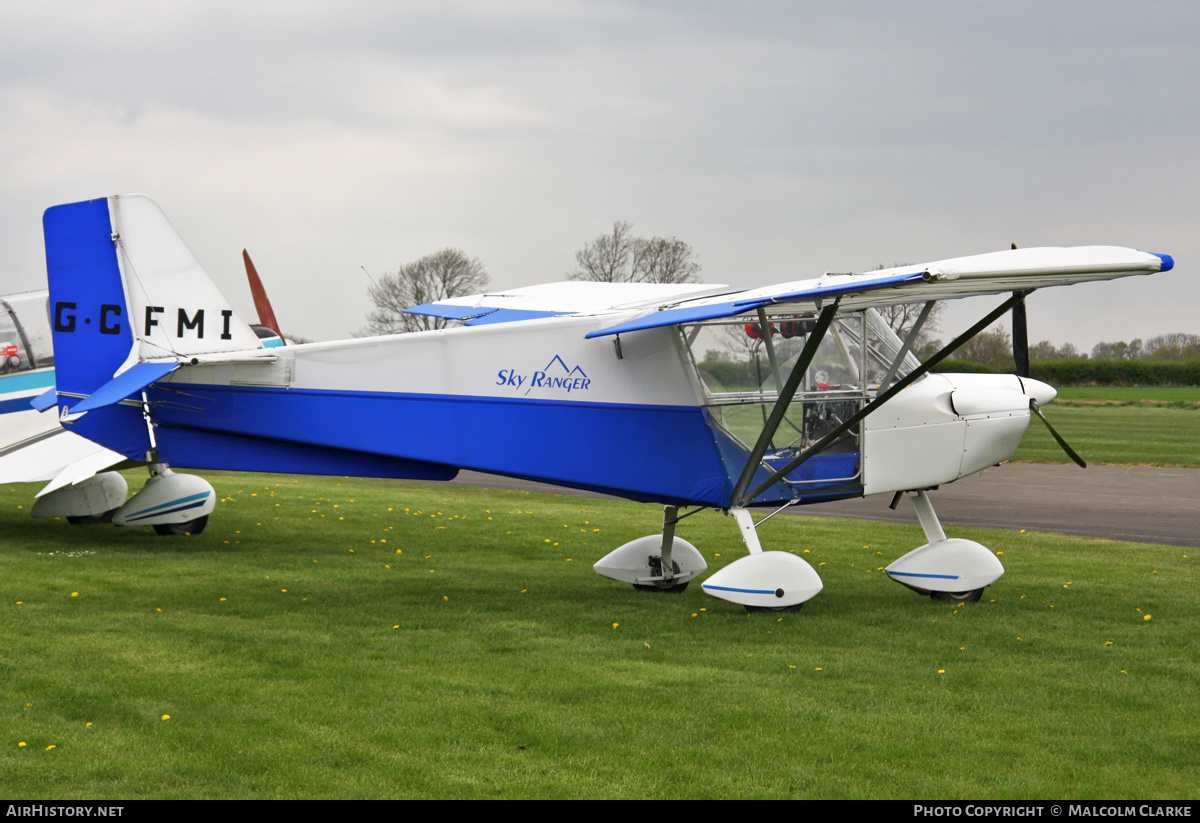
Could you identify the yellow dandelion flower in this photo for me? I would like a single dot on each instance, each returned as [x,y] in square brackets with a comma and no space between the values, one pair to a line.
[74,594]
[395,627]
[22,744]
[445,597]
[693,615]
[158,610]
[222,599]
[524,590]
[399,551]
[88,726]
[941,671]
[791,667]
[51,746]
[166,717]
[1107,642]
[1146,617]
[820,669]
[615,625]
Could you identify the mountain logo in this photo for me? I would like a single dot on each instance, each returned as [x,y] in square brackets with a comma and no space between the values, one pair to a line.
[557,375]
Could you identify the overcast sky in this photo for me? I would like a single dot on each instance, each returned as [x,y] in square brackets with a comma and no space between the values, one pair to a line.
[781,140]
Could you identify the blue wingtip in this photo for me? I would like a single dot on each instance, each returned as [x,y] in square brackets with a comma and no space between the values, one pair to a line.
[1168,262]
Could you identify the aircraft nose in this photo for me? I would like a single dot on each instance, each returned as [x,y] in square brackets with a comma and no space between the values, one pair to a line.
[1039,391]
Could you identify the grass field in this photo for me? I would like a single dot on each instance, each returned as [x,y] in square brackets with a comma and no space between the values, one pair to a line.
[358,638]
[1118,425]
[1178,396]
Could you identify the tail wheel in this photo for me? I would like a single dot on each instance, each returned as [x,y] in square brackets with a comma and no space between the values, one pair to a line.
[191,527]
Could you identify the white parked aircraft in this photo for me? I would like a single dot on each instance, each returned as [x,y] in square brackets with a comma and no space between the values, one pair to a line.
[686,395]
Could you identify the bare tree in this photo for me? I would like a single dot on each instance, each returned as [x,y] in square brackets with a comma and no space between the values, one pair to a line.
[664,260]
[448,273]
[606,259]
[621,257]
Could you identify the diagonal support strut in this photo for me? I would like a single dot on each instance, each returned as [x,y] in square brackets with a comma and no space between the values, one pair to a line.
[786,393]
[908,379]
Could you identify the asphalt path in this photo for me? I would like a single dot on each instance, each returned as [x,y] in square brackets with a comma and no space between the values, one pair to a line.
[1132,503]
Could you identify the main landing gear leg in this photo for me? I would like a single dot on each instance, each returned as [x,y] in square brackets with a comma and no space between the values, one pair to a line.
[951,569]
[764,581]
[655,563]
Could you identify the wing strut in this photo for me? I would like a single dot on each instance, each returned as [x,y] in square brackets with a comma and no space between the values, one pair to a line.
[912,376]
[908,344]
[786,393]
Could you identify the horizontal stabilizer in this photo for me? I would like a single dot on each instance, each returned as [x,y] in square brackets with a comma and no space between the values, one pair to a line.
[46,400]
[131,381]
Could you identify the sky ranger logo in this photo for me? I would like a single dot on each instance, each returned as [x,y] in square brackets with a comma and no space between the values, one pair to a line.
[556,375]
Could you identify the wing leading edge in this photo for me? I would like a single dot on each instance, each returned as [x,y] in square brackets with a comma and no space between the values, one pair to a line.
[993,273]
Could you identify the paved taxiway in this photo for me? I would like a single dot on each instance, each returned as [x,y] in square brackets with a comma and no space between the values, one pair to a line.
[1134,503]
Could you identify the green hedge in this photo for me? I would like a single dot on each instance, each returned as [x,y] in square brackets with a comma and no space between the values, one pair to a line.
[1098,372]
[1054,372]
[1117,373]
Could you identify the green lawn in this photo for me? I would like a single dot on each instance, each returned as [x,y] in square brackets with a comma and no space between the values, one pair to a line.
[365,638]
[1132,434]
[1181,395]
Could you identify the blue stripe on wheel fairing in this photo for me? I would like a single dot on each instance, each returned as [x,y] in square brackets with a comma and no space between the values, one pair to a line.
[182,508]
[732,589]
[153,509]
[914,574]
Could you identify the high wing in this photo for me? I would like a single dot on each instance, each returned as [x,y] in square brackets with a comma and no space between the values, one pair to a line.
[665,305]
[1016,270]
[557,299]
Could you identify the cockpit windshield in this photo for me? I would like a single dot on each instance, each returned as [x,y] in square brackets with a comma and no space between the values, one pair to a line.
[743,363]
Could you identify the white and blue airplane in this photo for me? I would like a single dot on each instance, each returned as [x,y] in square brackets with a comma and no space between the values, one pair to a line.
[82,481]
[690,396]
